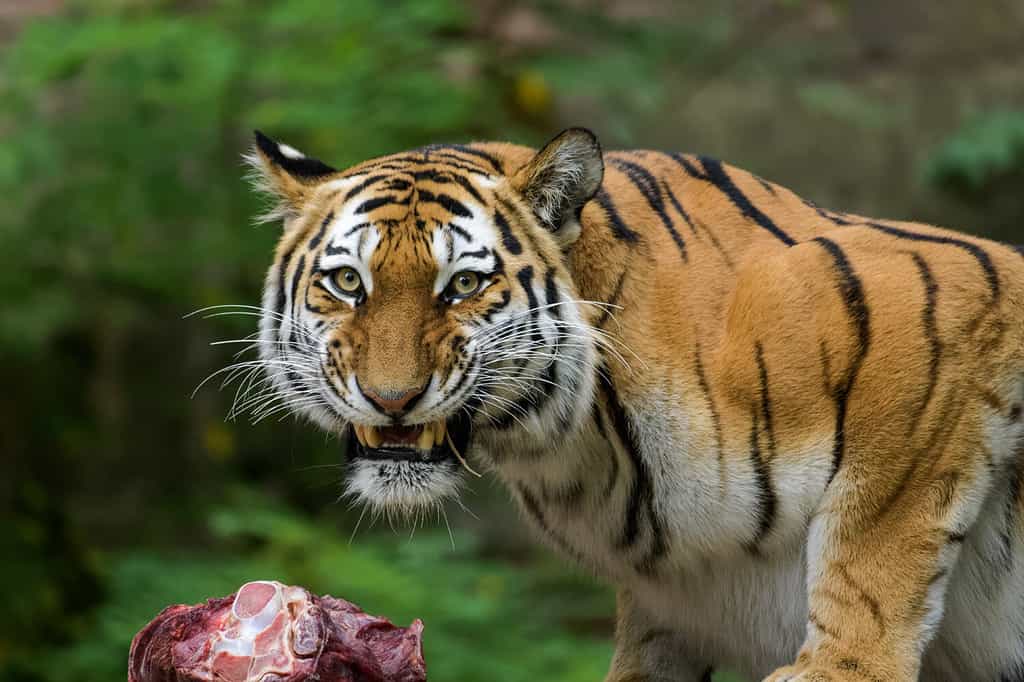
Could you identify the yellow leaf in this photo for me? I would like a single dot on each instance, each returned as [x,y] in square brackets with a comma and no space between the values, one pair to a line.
[532,93]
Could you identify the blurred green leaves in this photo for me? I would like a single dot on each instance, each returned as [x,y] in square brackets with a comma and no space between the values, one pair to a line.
[986,149]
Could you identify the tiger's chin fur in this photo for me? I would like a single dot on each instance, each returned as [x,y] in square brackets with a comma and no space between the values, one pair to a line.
[791,437]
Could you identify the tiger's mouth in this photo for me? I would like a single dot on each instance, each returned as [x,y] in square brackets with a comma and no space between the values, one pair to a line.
[433,442]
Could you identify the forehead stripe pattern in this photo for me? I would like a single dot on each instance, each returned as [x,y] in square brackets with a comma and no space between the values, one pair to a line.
[450,204]
[364,184]
[336,251]
[377,202]
[444,178]
[447,149]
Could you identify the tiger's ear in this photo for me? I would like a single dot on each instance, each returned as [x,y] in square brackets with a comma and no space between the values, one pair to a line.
[560,179]
[285,174]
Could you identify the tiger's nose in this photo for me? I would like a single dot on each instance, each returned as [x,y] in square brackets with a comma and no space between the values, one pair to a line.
[393,402]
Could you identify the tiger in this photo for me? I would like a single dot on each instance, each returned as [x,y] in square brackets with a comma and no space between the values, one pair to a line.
[790,437]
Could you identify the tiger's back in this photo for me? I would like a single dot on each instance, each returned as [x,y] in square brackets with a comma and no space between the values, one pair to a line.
[787,435]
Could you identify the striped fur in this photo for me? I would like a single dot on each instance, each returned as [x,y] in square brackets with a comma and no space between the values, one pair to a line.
[791,437]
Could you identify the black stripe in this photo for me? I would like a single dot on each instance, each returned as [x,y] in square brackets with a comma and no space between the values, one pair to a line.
[716,419]
[764,183]
[641,496]
[525,277]
[765,495]
[315,241]
[450,204]
[403,162]
[293,377]
[640,487]
[688,167]
[532,506]
[977,252]
[619,228]
[498,306]
[442,178]
[461,232]
[708,674]
[355,228]
[567,497]
[766,401]
[507,238]
[1019,248]
[852,293]
[398,184]
[613,300]
[766,499]
[654,634]
[491,160]
[295,286]
[693,226]
[717,176]
[613,473]
[648,187]
[479,253]
[281,299]
[658,548]
[678,206]
[363,185]
[532,400]
[931,333]
[551,294]
[377,202]
[336,250]
[827,215]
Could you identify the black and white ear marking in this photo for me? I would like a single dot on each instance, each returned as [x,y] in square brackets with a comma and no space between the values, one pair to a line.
[285,174]
[560,179]
[291,160]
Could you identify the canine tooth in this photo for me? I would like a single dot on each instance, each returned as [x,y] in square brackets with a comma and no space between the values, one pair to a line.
[373,437]
[439,430]
[426,440]
[359,433]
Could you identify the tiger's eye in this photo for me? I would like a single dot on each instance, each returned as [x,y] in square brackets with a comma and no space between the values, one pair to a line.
[464,283]
[348,280]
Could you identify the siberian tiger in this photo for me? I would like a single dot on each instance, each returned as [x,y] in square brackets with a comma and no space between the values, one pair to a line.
[791,437]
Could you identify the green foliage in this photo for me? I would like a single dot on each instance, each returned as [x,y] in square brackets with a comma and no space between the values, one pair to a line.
[986,149]
[982,166]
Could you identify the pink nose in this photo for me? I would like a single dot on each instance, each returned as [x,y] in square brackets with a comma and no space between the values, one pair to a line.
[393,402]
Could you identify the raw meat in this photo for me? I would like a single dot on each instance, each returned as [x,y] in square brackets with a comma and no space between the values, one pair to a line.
[269,632]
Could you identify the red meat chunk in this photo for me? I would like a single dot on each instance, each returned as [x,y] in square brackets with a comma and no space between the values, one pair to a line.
[269,632]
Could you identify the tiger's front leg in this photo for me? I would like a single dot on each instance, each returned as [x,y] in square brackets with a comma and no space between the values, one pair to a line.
[879,560]
[645,652]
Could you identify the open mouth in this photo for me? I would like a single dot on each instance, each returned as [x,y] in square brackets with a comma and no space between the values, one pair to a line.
[431,442]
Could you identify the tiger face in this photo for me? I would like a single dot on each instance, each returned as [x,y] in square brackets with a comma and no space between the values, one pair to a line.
[422,298]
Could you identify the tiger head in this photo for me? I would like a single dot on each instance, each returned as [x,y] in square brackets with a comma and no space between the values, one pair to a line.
[421,300]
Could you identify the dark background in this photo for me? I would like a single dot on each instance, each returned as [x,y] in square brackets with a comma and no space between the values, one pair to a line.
[123,209]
